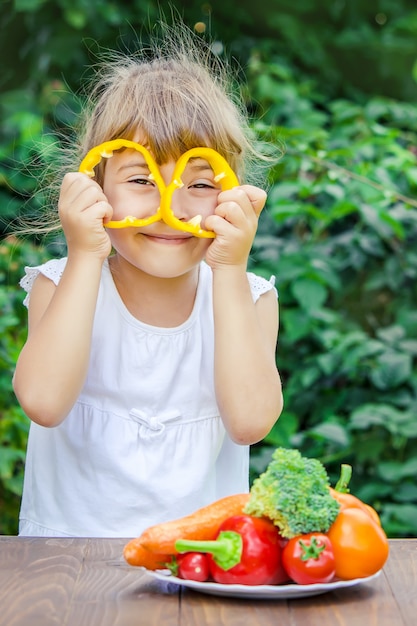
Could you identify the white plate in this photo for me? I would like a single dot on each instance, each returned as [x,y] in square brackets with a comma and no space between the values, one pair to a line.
[261,592]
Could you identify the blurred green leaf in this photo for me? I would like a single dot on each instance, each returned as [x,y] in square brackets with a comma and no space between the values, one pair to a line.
[394,471]
[310,294]
[331,432]
[391,369]
[400,519]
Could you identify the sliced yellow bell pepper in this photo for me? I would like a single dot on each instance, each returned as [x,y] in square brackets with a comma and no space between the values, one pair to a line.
[223,174]
[105,150]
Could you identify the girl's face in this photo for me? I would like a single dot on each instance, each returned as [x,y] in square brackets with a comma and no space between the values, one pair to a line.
[157,248]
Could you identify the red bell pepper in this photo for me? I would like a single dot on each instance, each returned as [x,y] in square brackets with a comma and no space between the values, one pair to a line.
[247,551]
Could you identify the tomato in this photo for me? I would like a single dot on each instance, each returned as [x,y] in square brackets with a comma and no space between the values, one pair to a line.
[193,566]
[309,559]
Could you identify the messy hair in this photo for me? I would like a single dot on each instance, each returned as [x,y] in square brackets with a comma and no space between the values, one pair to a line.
[176,93]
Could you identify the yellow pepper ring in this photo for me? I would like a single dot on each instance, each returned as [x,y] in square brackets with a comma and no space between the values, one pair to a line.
[105,150]
[223,174]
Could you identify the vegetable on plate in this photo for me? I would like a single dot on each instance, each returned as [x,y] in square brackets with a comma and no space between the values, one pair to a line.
[294,493]
[190,566]
[136,554]
[359,543]
[309,559]
[247,551]
[292,499]
[342,494]
[201,525]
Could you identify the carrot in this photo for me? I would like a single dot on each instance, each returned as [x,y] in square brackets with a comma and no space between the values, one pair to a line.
[200,525]
[135,554]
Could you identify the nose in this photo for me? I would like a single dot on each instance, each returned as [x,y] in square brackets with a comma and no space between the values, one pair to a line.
[182,205]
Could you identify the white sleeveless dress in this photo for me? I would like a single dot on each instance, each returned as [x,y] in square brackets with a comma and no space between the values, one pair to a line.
[144,443]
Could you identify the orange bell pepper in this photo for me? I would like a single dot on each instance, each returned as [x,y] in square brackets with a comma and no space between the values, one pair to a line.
[346,499]
[360,545]
[223,174]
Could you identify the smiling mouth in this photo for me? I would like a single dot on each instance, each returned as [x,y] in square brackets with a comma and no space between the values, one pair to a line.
[168,238]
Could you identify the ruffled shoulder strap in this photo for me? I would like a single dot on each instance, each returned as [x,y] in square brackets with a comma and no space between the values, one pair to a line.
[51,269]
[260,285]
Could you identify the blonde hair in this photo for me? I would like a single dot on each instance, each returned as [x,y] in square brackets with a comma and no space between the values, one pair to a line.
[175,92]
[180,98]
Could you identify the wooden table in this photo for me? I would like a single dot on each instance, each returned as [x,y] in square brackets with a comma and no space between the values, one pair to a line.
[85,582]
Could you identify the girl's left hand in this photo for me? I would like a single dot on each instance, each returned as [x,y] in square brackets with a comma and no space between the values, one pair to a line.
[235,222]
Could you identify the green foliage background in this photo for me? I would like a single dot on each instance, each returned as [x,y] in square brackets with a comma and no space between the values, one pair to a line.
[332,86]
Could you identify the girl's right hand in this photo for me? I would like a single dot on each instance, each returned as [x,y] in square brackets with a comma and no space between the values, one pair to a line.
[83,208]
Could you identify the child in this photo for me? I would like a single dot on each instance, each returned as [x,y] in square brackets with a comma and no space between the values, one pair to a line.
[149,366]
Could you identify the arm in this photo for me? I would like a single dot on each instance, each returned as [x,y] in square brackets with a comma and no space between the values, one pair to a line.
[53,363]
[248,385]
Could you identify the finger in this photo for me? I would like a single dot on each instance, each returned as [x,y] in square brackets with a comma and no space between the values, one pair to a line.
[78,201]
[107,212]
[257,197]
[75,184]
[250,199]
[101,211]
[90,196]
[232,212]
[220,225]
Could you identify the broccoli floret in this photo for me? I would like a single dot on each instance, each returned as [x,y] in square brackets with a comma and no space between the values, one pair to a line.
[294,493]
